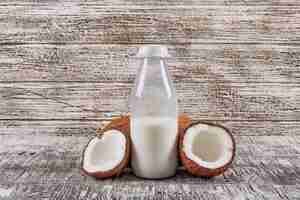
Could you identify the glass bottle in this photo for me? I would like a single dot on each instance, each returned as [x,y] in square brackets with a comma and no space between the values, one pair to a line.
[153,106]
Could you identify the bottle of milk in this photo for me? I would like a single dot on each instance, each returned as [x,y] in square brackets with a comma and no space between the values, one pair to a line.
[153,106]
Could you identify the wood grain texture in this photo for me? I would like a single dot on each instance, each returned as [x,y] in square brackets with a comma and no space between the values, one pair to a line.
[190,63]
[47,166]
[79,128]
[133,3]
[78,23]
[211,100]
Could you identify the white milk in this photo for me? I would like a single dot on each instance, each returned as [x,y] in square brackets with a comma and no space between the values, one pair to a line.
[154,141]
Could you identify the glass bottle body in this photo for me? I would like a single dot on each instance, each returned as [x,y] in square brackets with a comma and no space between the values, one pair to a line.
[154,121]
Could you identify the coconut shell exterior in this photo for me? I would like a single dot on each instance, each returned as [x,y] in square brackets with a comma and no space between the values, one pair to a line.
[121,124]
[197,170]
[184,121]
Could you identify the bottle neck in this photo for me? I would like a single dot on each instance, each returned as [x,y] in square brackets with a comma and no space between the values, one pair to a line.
[153,93]
[154,68]
[154,73]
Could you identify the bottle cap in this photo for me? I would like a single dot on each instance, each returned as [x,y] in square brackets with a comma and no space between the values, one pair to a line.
[160,51]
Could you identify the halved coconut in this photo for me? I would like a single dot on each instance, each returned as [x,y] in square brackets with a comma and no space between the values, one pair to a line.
[206,149]
[108,154]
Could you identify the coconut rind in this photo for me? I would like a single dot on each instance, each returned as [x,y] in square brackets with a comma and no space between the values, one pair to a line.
[184,121]
[194,168]
[120,124]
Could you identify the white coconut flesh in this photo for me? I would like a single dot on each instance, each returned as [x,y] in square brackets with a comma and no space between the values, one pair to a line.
[208,146]
[105,153]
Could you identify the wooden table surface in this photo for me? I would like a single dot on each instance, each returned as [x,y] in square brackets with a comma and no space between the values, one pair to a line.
[65,69]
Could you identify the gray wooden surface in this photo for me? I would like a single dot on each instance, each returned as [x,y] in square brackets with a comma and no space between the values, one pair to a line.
[65,70]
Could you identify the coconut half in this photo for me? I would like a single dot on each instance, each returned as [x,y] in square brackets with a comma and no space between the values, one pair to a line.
[206,149]
[107,155]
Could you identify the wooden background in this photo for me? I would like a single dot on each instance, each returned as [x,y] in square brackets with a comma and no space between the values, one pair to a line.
[65,70]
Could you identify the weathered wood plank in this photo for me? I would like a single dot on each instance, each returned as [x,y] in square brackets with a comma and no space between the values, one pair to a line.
[211,100]
[129,187]
[236,63]
[47,166]
[122,3]
[130,25]
[88,127]
[153,191]
[41,151]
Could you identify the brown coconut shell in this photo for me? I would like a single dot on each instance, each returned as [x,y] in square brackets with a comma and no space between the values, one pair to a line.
[184,121]
[197,170]
[121,124]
